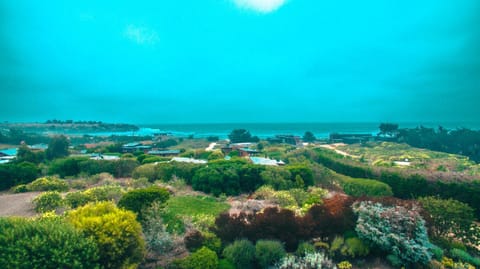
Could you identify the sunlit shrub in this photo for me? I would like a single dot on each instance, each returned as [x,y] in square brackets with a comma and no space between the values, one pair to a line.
[116,232]
[48,184]
[47,201]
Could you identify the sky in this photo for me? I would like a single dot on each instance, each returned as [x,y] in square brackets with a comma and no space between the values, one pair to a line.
[227,61]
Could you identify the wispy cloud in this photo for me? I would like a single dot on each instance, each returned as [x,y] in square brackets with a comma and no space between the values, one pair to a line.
[141,35]
[263,6]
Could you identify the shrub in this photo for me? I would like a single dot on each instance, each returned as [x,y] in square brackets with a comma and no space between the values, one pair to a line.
[464,257]
[437,252]
[304,248]
[365,187]
[154,230]
[138,199]
[115,231]
[193,240]
[344,265]
[76,199]
[48,184]
[20,188]
[104,193]
[268,252]
[203,258]
[241,253]
[225,264]
[447,216]
[44,243]
[315,260]
[47,201]
[396,230]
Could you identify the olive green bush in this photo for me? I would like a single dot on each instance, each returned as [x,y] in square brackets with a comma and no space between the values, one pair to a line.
[268,252]
[139,199]
[47,201]
[45,243]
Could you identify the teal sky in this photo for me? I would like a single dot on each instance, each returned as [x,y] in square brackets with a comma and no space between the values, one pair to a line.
[206,61]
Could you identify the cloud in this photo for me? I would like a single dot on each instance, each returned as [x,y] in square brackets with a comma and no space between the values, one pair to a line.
[263,6]
[141,35]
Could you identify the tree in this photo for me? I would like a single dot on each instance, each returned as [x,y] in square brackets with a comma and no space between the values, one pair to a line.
[58,147]
[389,129]
[309,137]
[241,135]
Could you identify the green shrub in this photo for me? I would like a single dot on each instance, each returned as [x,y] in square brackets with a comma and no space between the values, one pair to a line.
[116,232]
[105,193]
[354,247]
[20,188]
[437,252]
[225,264]
[268,252]
[315,260]
[365,187]
[44,243]
[47,201]
[241,253]
[203,258]
[464,256]
[304,248]
[48,184]
[138,199]
[76,199]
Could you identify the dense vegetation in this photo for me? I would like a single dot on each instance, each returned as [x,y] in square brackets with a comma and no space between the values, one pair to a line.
[320,210]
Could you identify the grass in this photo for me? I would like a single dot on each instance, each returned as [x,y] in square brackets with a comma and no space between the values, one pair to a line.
[200,210]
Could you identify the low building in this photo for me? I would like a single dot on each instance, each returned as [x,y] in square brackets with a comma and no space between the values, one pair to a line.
[351,138]
[164,153]
[187,160]
[285,139]
[134,147]
[266,161]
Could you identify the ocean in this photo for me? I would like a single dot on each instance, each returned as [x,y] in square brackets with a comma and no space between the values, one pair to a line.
[264,130]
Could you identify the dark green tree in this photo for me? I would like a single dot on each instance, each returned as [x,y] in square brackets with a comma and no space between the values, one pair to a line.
[389,129]
[309,137]
[242,135]
[58,147]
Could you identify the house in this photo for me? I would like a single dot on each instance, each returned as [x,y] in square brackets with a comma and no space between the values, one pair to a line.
[350,138]
[134,147]
[284,139]
[187,160]
[243,149]
[164,153]
[266,161]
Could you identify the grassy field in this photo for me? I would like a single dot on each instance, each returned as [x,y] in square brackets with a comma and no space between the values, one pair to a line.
[199,210]
[402,155]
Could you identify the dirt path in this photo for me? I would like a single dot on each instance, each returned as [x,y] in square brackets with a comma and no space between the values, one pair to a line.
[17,204]
[334,148]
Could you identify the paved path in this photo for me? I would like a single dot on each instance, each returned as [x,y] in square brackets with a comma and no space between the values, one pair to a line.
[17,204]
